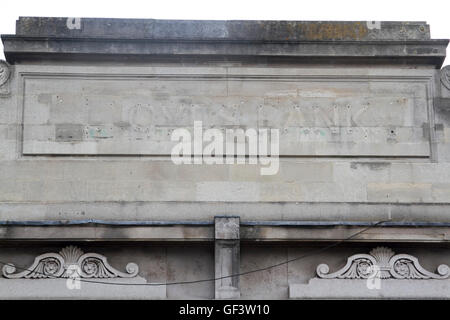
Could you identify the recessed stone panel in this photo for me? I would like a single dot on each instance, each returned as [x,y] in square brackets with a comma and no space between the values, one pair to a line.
[317,112]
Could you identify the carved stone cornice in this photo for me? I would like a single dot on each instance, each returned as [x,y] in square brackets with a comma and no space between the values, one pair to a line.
[60,265]
[386,264]
[308,42]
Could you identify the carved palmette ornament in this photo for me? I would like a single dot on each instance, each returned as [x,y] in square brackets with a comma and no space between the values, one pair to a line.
[4,72]
[445,77]
[383,263]
[5,75]
[60,265]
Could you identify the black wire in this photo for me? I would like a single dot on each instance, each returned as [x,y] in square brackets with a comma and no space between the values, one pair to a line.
[213,279]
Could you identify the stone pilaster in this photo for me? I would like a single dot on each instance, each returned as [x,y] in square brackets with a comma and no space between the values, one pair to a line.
[227,257]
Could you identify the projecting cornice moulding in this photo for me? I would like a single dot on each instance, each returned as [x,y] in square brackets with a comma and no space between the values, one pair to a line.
[306,42]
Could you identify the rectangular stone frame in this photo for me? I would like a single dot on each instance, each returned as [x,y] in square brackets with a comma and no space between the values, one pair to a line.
[25,72]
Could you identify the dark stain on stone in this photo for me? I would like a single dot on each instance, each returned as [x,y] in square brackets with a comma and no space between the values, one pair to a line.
[376,166]
[122,124]
[45,98]
[442,109]
[426,130]
[69,132]
[420,51]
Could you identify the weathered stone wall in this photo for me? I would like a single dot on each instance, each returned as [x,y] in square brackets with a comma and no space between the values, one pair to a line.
[167,264]
[87,112]
[358,135]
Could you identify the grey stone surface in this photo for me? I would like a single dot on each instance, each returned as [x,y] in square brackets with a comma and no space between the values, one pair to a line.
[5,74]
[426,52]
[65,38]
[226,228]
[232,29]
[190,263]
[86,111]
[357,289]
[267,284]
[150,260]
[44,289]
[179,211]
[227,257]
[261,231]
[180,262]
[319,112]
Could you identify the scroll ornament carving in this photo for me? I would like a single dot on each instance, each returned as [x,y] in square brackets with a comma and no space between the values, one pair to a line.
[60,265]
[445,76]
[386,263]
[4,72]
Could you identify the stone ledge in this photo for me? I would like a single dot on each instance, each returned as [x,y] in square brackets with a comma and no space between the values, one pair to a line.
[20,289]
[357,289]
[206,210]
[205,234]
[428,52]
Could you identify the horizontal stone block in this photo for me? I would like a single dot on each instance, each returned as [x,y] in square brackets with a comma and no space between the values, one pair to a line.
[227,191]
[206,210]
[42,289]
[268,30]
[399,192]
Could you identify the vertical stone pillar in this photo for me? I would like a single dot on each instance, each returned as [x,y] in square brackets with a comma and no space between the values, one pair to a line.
[227,257]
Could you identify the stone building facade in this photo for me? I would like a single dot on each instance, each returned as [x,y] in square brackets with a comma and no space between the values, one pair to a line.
[93,206]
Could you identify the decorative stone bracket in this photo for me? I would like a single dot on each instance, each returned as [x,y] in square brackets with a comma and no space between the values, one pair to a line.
[49,275]
[59,265]
[381,274]
[390,265]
